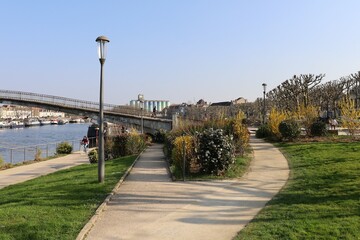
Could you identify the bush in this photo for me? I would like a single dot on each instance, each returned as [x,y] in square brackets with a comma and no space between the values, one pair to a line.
[135,144]
[289,129]
[93,156]
[1,160]
[275,118]
[160,136]
[318,128]
[263,132]
[64,148]
[215,151]
[177,155]
[118,148]
[108,148]
[169,143]
[241,136]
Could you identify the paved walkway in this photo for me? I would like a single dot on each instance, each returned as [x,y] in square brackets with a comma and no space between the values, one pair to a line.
[27,172]
[148,205]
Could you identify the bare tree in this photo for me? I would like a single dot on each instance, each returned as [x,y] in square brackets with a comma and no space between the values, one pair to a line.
[295,91]
[331,93]
[307,82]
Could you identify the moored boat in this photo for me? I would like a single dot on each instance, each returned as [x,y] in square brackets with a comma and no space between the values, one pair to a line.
[44,122]
[16,124]
[30,122]
[4,124]
[63,121]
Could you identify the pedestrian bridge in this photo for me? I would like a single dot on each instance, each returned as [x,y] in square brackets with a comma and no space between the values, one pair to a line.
[112,113]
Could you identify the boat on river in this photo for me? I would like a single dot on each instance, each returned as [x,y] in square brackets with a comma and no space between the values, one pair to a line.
[54,122]
[76,120]
[17,124]
[44,122]
[30,122]
[63,121]
[4,124]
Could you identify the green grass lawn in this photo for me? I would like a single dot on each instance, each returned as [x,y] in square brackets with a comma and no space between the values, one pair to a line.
[58,205]
[321,199]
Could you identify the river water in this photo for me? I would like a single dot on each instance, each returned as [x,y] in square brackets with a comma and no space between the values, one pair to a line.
[17,145]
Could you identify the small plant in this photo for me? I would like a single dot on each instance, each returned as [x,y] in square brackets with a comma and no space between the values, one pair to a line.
[1,160]
[289,129]
[93,156]
[318,128]
[64,148]
[38,154]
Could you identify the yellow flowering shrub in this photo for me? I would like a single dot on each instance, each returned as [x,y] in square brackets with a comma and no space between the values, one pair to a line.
[350,115]
[307,115]
[177,154]
[275,118]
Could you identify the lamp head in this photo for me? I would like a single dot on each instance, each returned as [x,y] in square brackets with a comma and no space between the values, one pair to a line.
[102,40]
[264,86]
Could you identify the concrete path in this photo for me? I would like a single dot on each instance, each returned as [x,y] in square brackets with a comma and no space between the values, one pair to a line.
[148,205]
[27,172]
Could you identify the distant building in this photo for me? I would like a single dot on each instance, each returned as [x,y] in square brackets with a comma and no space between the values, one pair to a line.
[150,104]
[20,112]
[237,101]
[221,104]
[202,103]
[43,113]
[14,112]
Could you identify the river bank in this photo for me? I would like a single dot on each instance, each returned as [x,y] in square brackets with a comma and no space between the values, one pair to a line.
[17,145]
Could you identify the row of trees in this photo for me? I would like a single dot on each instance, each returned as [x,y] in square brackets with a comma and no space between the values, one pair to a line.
[308,89]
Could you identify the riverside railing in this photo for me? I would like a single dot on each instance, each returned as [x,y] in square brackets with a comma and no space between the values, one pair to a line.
[28,153]
[68,102]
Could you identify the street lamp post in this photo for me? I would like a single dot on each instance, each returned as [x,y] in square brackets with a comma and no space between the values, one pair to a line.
[102,41]
[264,107]
[141,100]
[356,93]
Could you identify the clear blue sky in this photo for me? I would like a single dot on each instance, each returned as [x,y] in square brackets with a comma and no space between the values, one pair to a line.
[174,50]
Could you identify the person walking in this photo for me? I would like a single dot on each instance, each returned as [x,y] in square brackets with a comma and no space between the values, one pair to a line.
[85,143]
[154,112]
[333,123]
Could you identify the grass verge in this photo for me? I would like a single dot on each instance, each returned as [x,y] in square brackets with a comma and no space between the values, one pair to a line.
[58,205]
[321,199]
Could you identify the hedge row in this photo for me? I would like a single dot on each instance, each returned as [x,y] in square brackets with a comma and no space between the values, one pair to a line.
[208,148]
[119,146]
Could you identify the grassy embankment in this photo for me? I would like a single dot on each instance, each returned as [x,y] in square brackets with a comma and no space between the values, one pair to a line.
[58,205]
[321,199]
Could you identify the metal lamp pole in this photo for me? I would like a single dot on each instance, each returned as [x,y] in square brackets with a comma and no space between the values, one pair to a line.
[264,107]
[356,93]
[102,40]
[141,100]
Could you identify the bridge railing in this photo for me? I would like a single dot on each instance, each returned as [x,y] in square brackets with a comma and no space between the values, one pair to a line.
[68,102]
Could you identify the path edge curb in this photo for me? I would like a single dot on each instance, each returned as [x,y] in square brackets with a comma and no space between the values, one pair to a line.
[89,225]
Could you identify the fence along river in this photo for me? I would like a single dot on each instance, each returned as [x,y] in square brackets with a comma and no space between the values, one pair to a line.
[17,145]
